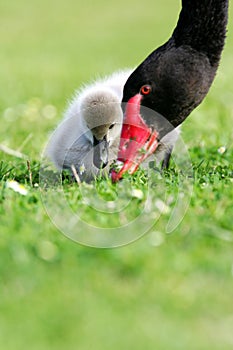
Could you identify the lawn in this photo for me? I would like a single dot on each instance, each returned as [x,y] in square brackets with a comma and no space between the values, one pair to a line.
[170,289]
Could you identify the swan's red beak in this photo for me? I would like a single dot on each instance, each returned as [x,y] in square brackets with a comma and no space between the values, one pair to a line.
[138,141]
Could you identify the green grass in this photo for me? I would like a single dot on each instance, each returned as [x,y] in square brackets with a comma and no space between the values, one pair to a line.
[164,291]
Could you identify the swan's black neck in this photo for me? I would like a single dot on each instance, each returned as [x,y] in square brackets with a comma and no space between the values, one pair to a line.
[202,25]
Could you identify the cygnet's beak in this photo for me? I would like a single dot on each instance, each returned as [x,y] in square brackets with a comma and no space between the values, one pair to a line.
[100,156]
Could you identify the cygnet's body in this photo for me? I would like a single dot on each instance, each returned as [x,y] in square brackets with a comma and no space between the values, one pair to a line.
[89,134]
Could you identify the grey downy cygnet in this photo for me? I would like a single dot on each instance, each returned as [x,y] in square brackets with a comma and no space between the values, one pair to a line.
[88,136]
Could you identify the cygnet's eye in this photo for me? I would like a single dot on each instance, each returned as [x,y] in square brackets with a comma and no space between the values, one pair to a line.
[111,126]
[145,90]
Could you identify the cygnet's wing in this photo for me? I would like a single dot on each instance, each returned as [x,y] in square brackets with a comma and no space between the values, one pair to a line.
[70,135]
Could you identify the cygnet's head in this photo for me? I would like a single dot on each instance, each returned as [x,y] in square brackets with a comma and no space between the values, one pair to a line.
[102,114]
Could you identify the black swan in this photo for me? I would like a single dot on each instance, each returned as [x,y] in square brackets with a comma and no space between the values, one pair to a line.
[175,78]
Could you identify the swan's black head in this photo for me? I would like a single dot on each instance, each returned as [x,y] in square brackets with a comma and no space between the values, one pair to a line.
[178,78]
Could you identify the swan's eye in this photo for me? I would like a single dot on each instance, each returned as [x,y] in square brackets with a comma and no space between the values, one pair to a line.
[145,90]
[111,126]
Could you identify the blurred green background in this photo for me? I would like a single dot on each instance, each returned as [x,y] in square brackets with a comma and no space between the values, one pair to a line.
[161,292]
